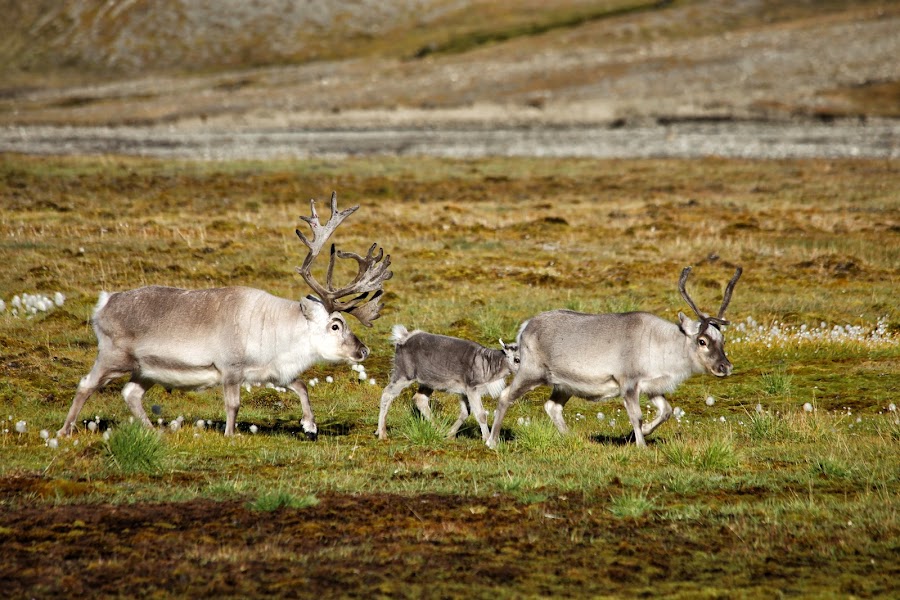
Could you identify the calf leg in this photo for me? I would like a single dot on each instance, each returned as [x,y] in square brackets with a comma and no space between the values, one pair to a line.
[309,420]
[477,409]
[463,415]
[631,397]
[391,391]
[133,392]
[422,398]
[663,412]
[554,409]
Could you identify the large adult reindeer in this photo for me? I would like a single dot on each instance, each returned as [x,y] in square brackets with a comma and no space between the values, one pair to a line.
[597,357]
[232,336]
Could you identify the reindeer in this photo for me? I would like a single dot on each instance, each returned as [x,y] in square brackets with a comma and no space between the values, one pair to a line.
[597,357]
[447,364]
[233,336]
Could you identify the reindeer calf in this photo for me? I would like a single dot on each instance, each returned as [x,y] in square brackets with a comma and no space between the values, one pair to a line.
[447,364]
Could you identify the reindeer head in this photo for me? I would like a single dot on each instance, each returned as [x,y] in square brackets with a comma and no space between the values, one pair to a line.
[372,273]
[511,351]
[706,334]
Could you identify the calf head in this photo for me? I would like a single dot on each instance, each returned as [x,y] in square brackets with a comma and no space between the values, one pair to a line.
[511,351]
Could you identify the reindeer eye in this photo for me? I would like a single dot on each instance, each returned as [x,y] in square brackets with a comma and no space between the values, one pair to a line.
[335,327]
[701,341]
[516,360]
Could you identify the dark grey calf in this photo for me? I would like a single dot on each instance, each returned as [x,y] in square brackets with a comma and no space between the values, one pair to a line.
[447,364]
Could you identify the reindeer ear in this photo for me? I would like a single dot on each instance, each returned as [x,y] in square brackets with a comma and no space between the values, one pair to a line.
[688,326]
[312,308]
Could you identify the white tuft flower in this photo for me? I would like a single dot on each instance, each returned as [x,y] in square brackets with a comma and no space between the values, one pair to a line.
[892,407]
[362,376]
[329,379]
[54,443]
[678,412]
[45,435]
[722,419]
[21,427]
[759,408]
[92,426]
[710,400]
[254,429]
[808,407]
[59,298]
[612,422]
[520,420]
[2,306]
[106,435]
[200,424]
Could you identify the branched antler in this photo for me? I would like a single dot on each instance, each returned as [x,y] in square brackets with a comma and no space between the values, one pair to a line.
[705,319]
[372,273]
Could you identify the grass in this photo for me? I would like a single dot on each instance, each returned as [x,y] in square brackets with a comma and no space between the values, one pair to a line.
[745,488]
[134,449]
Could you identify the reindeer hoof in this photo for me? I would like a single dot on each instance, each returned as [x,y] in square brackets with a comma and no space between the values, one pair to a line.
[311,436]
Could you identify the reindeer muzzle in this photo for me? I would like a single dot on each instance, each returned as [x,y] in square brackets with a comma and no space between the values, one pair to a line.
[723,369]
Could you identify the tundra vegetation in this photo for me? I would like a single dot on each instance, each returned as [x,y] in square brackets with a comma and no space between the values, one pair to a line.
[782,478]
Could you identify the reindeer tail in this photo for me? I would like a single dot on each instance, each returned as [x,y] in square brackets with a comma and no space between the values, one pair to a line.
[398,334]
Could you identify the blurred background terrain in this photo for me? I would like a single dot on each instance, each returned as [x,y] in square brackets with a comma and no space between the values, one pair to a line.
[367,63]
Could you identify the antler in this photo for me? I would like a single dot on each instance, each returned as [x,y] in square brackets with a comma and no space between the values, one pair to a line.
[728,289]
[706,320]
[370,277]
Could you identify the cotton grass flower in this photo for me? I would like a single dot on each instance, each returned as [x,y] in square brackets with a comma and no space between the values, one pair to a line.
[45,435]
[710,400]
[54,443]
[21,427]
[254,429]
[329,379]
[808,407]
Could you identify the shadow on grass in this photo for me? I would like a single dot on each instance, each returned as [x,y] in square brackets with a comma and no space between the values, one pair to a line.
[618,440]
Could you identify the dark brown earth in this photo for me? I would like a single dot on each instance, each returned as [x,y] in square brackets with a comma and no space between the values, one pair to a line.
[379,545]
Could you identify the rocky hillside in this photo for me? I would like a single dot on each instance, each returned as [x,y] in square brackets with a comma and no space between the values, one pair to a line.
[323,63]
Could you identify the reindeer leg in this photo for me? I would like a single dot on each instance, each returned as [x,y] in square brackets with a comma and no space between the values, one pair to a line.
[422,398]
[477,409]
[663,412]
[133,392]
[519,385]
[631,396]
[391,391]
[309,421]
[100,375]
[554,408]
[463,415]
[232,392]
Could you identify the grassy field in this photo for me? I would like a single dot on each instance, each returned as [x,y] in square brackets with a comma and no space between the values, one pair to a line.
[749,494]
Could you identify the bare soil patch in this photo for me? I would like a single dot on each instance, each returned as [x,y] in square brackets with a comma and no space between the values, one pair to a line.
[366,545]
